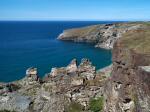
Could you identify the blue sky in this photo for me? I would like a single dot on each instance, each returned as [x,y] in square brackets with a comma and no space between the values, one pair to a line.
[74,9]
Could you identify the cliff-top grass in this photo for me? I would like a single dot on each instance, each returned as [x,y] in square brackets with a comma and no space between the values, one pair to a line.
[137,40]
[81,31]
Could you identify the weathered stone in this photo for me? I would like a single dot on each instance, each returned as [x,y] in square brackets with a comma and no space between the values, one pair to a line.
[54,72]
[129,87]
[77,81]
[86,69]
[32,75]
[31,71]
[72,67]
[15,101]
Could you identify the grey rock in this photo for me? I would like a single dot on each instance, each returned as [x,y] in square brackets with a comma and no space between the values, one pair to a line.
[15,101]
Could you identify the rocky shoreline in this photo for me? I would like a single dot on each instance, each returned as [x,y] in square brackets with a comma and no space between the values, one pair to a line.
[123,86]
[58,90]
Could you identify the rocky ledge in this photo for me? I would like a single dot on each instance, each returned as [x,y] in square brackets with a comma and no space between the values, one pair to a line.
[66,89]
[103,36]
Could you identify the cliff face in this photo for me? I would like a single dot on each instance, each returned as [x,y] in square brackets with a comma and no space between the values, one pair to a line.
[129,87]
[103,35]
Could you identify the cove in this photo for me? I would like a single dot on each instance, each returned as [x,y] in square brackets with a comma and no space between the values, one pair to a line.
[25,44]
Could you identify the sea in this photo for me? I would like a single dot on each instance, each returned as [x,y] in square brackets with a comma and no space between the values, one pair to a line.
[25,44]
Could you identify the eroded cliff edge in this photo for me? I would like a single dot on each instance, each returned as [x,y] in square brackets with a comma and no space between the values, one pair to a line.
[129,87]
[121,87]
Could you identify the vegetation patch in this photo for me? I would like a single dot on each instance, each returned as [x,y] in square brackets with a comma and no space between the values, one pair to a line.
[96,105]
[137,40]
[81,32]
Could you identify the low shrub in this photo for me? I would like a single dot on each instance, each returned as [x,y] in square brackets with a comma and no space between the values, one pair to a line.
[96,105]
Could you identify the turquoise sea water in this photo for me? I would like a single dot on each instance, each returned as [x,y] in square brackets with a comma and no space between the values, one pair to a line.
[27,44]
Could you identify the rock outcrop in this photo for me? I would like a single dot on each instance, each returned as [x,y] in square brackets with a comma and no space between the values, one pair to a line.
[59,91]
[103,36]
[129,87]
[72,67]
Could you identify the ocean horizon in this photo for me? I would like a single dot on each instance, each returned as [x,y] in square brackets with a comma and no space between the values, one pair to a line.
[25,44]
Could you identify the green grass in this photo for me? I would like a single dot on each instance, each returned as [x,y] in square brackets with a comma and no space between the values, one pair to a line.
[96,105]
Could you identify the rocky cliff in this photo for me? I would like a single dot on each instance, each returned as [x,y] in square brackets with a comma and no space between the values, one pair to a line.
[129,87]
[66,89]
[102,36]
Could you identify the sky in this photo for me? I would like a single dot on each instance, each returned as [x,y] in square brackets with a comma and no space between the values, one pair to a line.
[75,10]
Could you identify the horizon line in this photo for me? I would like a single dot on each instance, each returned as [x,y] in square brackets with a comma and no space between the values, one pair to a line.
[84,20]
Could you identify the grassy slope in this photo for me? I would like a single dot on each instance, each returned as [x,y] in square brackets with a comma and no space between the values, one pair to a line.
[138,40]
[81,31]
